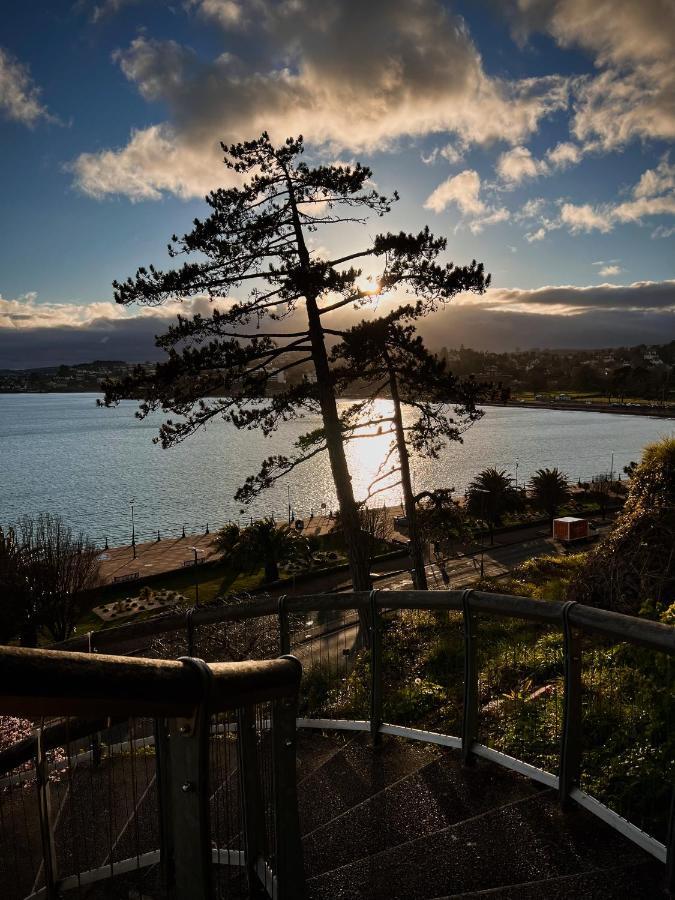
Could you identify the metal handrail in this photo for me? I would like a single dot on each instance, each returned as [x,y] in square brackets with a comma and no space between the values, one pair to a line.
[574,620]
[181,697]
[50,682]
[644,632]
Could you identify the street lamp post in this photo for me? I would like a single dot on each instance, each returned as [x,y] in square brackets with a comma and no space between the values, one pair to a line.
[288,488]
[195,550]
[482,492]
[517,474]
[133,527]
[611,469]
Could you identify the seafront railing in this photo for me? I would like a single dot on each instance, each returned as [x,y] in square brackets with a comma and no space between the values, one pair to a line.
[579,699]
[174,778]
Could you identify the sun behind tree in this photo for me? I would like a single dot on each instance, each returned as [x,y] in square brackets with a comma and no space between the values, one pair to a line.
[257,235]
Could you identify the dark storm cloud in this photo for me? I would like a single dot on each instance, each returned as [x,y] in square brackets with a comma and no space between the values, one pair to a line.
[600,316]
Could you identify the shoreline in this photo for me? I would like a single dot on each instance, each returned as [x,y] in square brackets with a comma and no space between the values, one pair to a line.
[565,406]
[561,406]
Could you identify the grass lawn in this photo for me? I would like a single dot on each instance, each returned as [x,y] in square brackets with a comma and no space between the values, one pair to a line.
[214,581]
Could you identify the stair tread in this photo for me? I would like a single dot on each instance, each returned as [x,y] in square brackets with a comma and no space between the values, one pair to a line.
[644,880]
[314,748]
[354,774]
[525,841]
[442,793]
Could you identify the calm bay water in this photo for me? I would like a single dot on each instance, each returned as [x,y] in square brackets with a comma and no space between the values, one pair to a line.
[62,454]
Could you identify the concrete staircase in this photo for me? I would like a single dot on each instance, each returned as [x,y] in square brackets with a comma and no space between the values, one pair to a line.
[407,821]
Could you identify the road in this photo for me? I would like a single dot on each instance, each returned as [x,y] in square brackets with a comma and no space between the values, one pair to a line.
[331,640]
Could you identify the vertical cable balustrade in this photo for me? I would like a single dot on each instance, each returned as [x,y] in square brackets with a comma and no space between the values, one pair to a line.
[546,687]
[161,807]
[329,638]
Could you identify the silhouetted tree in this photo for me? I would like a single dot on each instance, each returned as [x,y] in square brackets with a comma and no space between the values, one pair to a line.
[442,523]
[550,491]
[490,496]
[601,492]
[263,542]
[632,569]
[256,234]
[54,570]
[18,615]
[388,356]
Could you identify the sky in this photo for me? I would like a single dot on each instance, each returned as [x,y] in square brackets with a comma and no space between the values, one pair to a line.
[536,135]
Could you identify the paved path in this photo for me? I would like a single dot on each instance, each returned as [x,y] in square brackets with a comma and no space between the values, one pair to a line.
[118,564]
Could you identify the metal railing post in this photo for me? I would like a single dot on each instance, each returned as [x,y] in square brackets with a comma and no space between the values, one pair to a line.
[290,870]
[183,765]
[284,627]
[251,799]
[375,670]
[670,850]
[570,743]
[44,811]
[470,711]
[190,632]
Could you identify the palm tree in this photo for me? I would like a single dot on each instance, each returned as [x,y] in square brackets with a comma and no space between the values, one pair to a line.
[490,496]
[263,541]
[549,491]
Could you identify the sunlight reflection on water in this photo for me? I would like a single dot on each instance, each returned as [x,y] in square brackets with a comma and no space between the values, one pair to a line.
[62,454]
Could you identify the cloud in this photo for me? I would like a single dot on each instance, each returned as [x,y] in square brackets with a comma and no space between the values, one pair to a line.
[518,164]
[586,218]
[331,71]
[34,334]
[537,235]
[656,181]
[109,8]
[494,217]
[610,270]
[563,155]
[640,296]
[663,231]
[632,96]
[19,95]
[153,162]
[450,152]
[27,312]
[653,195]
[462,189]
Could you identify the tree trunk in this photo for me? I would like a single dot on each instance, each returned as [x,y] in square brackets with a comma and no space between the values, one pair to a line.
[357,548]
[416,548]
[271,570]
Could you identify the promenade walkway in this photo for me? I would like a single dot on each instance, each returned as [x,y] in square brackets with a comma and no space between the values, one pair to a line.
[118,564]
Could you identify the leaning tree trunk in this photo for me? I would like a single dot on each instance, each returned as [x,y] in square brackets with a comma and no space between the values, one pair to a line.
[416,548]
[357,549]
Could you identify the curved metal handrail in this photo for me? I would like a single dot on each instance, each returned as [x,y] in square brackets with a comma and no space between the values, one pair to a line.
[644,632]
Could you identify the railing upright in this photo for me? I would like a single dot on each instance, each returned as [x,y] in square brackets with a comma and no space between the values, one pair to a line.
[375,670]
[289,862]
[670,850]
[45,819]
[183,779]
[470,710]
[284,627]
[251,799]
[570,746]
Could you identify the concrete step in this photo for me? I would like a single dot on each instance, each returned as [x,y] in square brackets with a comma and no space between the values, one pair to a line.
[356,773]
[440,794]
[636,882]
[527,840]
[314,748]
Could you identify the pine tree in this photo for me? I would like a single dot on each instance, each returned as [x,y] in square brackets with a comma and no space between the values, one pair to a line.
[256,235]
[388,355]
